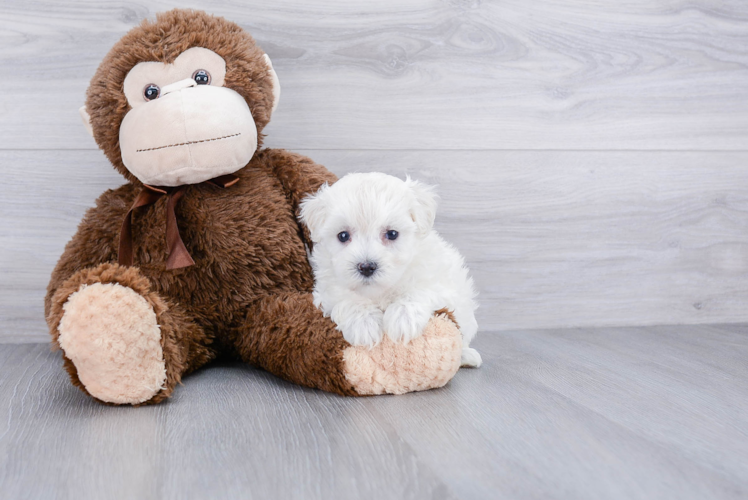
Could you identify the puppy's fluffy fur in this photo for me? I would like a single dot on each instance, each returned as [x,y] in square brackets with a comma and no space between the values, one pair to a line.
[379,265]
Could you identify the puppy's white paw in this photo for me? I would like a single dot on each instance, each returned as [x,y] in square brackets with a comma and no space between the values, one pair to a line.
[470,358]
[363,329]
[404,321]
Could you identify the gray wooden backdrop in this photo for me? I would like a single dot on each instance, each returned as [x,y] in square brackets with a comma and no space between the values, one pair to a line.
[592,156]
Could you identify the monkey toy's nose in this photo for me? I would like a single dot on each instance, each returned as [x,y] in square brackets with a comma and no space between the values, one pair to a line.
[181,84]
[367,268]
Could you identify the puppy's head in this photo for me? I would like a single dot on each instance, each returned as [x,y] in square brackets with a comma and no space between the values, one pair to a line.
[367,228]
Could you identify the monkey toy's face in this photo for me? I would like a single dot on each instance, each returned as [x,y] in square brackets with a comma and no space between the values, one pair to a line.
[181,121]
[184,126]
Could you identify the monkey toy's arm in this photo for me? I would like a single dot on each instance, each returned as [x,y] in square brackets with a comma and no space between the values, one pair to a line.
[299,177]
[288,336]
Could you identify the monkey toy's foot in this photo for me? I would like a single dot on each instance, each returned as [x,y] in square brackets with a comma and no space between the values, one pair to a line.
[122,343]
[111,335]
[426,362]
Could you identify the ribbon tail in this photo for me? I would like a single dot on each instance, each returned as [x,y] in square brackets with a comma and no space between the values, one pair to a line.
[124,252]
[179,256]
[147,196]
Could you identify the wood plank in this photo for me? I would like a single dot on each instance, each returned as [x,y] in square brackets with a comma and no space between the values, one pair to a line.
[637,74]
[560,414]
[251,436]
[554,239]
[698,377]
[634,413]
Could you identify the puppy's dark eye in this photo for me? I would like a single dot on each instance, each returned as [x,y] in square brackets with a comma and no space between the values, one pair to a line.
[201,77]
[151,92]
[391,234]
[343,236]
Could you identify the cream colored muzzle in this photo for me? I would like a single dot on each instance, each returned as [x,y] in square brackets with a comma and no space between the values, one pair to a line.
[190,134]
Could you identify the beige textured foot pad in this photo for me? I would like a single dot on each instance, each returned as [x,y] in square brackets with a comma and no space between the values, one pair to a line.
[426,362]
[111,335]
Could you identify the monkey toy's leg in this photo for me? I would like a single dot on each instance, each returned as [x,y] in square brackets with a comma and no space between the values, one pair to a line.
[289,337]
[122,343]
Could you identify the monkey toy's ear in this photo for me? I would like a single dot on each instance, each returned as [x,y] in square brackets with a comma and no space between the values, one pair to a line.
[276,83]
[86,119]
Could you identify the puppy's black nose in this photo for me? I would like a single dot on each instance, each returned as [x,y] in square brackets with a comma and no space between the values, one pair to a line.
[367,268]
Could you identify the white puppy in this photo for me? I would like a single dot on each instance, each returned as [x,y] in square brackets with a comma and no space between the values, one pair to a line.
[380,266]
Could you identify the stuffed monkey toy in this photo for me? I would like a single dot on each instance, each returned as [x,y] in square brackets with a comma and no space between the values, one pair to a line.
[200,254]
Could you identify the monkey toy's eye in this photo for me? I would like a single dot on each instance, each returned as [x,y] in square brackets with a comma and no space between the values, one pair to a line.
[391,234]
[343,236]
[201,77]
[151,92]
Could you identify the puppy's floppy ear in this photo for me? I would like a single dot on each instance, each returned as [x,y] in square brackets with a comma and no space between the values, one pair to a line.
[313,211]
[423,210]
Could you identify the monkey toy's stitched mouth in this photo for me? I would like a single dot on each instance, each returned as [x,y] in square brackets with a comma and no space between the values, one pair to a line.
[188,143]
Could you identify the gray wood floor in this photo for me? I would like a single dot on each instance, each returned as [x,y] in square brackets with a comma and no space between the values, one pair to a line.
[629,413]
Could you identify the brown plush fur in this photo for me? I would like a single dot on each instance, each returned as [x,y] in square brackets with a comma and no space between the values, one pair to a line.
[286,335]
[249,256]
[248,294]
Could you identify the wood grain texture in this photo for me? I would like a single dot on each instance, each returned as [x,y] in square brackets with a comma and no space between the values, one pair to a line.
[532,116]
[425,74]
[626,413]
[552,238]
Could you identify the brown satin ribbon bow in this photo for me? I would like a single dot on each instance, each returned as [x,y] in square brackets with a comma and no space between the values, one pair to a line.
[178,256]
